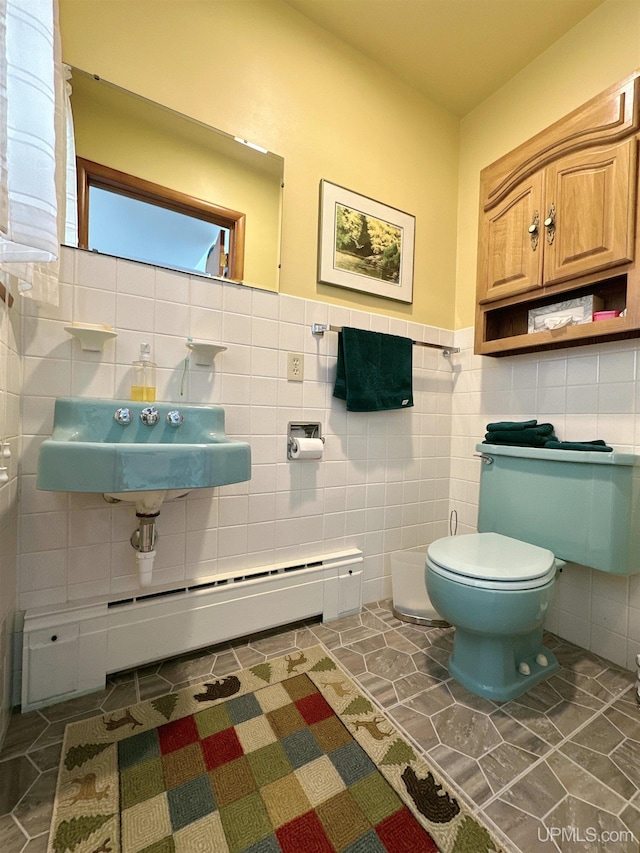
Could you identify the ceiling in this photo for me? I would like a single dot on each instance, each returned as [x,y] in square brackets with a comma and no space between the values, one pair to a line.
[457,52]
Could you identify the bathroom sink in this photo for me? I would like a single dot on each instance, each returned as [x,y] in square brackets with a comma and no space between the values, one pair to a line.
[90,451]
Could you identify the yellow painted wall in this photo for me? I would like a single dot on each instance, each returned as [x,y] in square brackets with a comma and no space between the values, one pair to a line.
[601,50]
[258,69]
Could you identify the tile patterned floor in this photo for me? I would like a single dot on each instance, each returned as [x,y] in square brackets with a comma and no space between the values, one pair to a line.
[556,770]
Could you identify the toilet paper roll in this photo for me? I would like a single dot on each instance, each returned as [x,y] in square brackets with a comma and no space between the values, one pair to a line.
[307,448]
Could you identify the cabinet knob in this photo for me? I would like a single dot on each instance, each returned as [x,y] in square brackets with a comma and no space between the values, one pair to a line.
[550,224]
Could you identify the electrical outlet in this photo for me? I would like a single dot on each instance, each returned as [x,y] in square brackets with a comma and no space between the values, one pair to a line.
[295,366]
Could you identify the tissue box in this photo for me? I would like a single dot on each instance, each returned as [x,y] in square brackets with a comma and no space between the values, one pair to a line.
[571,312]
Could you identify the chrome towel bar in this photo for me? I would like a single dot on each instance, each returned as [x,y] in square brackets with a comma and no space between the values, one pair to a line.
[318,330]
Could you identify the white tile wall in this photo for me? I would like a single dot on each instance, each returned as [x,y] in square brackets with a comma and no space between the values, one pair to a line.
[382,485]
[587,392]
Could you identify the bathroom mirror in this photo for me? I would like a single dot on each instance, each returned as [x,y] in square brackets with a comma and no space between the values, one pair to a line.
[122,134]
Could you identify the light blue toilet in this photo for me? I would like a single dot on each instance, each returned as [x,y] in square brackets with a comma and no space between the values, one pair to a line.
[495,586]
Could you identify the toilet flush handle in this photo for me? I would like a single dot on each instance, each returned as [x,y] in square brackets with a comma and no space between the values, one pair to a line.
[486,459]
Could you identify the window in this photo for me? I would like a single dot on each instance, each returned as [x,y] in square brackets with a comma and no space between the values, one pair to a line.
[126,216]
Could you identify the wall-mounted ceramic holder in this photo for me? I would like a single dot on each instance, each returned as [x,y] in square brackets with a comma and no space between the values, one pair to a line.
[92,337]
[204,351]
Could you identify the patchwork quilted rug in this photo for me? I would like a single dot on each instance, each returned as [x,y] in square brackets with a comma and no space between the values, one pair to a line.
[288,756]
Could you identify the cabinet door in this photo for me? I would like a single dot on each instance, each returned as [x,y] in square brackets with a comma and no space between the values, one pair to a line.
[593,194]
[510,246]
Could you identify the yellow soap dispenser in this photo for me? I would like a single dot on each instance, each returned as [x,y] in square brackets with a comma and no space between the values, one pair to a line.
[143,377]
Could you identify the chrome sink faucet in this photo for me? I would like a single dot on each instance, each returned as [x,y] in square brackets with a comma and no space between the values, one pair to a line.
[123,416]
[149,416]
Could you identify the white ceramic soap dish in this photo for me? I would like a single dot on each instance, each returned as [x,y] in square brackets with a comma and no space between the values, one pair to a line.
[204,351]
[92,337]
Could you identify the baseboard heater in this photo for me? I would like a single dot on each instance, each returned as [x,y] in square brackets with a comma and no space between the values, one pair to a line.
[68,650]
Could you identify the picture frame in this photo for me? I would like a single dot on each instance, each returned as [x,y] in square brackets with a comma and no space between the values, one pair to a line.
[364,244]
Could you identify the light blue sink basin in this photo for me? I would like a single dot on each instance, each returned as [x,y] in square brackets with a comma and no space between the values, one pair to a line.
[90,452]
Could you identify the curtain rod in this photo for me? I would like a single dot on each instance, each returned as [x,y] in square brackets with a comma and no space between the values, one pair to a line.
[318,329]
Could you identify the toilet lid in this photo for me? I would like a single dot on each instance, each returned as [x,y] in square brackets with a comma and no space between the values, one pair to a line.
[478,557]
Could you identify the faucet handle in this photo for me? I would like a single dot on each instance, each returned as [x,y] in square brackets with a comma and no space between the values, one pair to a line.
[149,415]
[122,416]
[175,418]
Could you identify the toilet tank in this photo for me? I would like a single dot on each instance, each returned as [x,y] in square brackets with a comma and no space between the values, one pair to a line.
[582,505]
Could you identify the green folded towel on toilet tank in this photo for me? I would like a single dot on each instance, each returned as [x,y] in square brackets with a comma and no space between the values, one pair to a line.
[510,425]
[597,444]
[535,436]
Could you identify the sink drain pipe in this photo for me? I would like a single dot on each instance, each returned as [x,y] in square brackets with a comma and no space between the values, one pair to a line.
[144,540]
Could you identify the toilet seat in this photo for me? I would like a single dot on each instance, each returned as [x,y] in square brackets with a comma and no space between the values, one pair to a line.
[491,561]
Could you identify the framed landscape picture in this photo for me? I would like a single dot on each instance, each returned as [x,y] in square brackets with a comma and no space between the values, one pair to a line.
[364,244]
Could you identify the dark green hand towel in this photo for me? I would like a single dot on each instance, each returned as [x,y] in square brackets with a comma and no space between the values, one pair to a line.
[536,436]
[597,444]
[510,425]
[374,371]
[536,441]
[541,443]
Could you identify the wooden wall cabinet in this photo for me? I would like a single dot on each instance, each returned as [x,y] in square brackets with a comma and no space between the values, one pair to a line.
[557,220]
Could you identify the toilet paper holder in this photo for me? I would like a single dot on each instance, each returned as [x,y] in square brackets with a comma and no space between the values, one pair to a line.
[296,429]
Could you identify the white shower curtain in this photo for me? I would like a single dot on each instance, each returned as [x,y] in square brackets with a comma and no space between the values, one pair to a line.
[71,186]
[32,146]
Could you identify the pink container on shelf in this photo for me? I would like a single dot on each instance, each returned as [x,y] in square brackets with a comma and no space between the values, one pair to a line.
[605,315]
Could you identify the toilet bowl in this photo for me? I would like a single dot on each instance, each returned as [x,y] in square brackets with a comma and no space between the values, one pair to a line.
[495,591]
